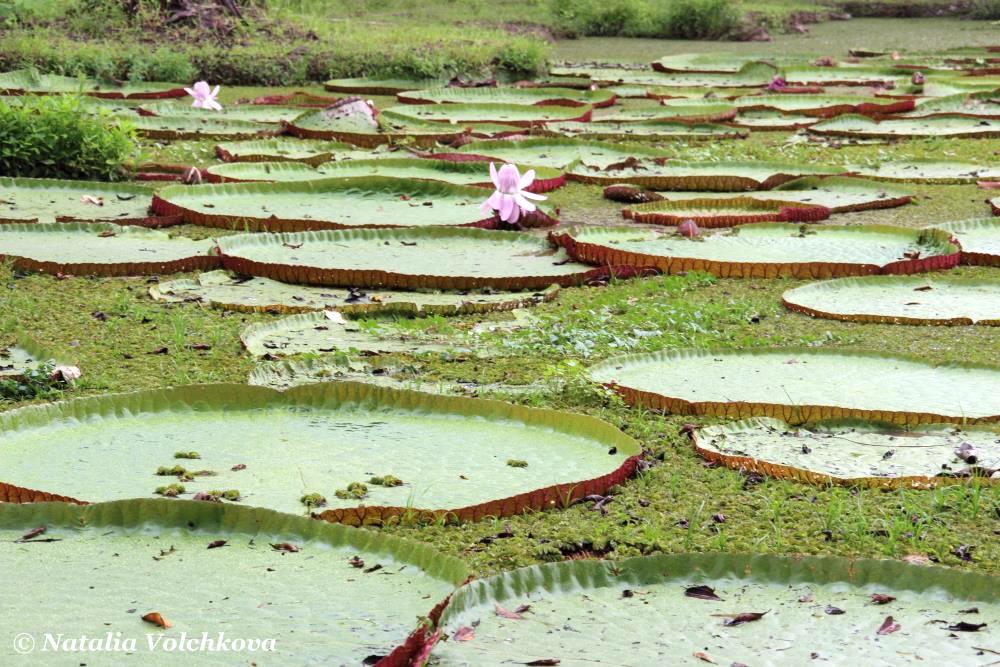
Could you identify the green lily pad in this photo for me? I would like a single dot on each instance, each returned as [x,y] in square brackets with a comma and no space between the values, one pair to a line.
[314,333]
[807,608]
[725,212]
[806,385]
[815,105]
[50,200]
[101,249]
[359,131]
[520,96]
[686,111]
[254,113]
[287,150]
[504,114]
[765,250]
[644,129]
[750,75]
[193,127]
[204,591]
[980,240]
[332,203]
[974,106]
[556,152]
[852,452]
[710,63]
[679,175]
[846,76]
[315,439]
[840,194]
[900,300]
[428,258]
[772,121]
[30,81]
[935,126]
[448,171]
[221,290]
[927,171]
[378,86]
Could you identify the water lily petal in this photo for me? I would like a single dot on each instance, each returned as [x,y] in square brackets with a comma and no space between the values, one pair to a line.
[515,213]
[523,203]
[493,176]
[532,195]
[508,208]
[527,179]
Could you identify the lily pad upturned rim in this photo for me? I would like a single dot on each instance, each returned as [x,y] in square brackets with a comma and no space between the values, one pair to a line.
[582,114]
[788,299]
[376,137]
[792,414]
[162,205]
[390,277]
[547,96]
[757,211]
[749,463]
[241,130]
[244,396]
[230,518]
[606,255]
[200,262]
[831,127]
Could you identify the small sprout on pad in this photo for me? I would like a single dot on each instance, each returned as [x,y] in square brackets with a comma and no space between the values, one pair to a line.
[313,500]
[354,490]
[517,463]
[170,491]
[176,471]
[387,480]
[187,455]
[228,494]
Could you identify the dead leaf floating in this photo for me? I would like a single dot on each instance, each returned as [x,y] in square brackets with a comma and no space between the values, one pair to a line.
[216,544]
[464,634]
[286,547]
[701,593]
[888,626]
[745,617]
[507,613]
[543,662]
[704,657]
[882,598]
[156,618]
[962,626]
[91,199]
[33,533]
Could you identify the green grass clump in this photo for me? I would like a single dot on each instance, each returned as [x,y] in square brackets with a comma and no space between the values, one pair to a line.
[387,480]
[517,463]
[312,500]
[679,19]
[354,491]
[170,491]
[33,383]
[187,455]
[228,494]
[59,136]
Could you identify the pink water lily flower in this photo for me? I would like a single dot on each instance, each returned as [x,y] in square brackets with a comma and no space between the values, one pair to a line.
[204,96]
[511,197]
[777,83]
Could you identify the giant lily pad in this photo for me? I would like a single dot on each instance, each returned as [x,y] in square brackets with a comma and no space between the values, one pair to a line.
[935,126]
[852,452]
[846,76]
[766,610]
[973,106]
[505,114]
[927,171]
[165,546]
[101,249]
[49,200]
[429,258]
[286,150]
[644,130]
[751,75]
[318,439]
[314,333]
[678,175]
[378,86]
[359,131]
[900,300]
[709,63]
[449,171]
[840,194]
[221,290]
[772,121]
[980,240]
[555,152]
[765,250]
[30,81]
[822,106]
[534,96]
[199,127]
[805,385]
[682,110]
[726,212]
[331,203]
[254,113]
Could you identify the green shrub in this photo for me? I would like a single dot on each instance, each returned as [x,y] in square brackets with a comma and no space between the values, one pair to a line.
[986,10]
[679,19]
[35,383]
[62,136]
[700,19]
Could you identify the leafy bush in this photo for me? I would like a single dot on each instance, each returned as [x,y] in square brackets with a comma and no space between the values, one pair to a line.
[62,136]
[680,19]
[36,383]
[986,10]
